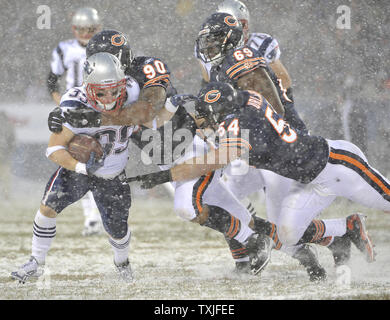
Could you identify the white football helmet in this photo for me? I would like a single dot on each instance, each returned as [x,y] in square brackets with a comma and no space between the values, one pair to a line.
[239,10]
[105,82]
[85,24]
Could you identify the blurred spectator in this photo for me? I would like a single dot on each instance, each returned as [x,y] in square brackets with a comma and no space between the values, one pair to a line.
[7,147]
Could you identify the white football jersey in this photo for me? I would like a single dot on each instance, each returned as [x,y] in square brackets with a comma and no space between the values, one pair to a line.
[267,46]
[69,58]
[114,139]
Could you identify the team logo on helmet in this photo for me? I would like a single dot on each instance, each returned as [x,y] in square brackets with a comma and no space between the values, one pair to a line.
[117,40]
[231,21]
[212,96]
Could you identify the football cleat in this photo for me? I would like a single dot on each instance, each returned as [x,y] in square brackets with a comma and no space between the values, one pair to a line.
[31,269]
[259,250]
[357,232]
[309,259]
[341,250]
[124,271]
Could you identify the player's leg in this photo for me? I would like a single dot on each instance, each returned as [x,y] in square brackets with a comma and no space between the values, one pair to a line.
[92,220]
[113,198]
[355,178]
[243,181]
[64,188]
[189,205]
[277,187]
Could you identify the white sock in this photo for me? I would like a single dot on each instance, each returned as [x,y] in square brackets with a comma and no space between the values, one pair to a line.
[121,248]
[244,234]
[44,231]
[335,227]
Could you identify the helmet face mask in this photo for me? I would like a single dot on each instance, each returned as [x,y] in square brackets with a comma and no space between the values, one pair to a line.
[85,23]
[106,98]
[220,33]
[105,82]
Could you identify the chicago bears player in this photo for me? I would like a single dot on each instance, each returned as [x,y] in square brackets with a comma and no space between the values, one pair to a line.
[68,59]
[321,169]
[220,46]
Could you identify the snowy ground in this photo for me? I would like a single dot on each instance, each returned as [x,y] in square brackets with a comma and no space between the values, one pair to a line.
[173,259]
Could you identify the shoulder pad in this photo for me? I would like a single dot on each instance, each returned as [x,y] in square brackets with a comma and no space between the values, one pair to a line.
[77,95]
[150,71]
[241,61]
[265,45]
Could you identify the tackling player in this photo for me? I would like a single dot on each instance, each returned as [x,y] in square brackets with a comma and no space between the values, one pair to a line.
[321,169]
[68,60]
[221,49]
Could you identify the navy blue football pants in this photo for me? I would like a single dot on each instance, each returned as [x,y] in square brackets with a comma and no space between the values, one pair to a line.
[112,197]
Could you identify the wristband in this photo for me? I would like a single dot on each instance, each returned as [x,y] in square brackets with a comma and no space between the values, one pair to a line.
[81,168]
[53,149]
[170,107]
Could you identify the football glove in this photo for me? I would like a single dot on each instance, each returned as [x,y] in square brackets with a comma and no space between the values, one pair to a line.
[151,180]
[83,117]
[55,120]
[182,99]
[94,164]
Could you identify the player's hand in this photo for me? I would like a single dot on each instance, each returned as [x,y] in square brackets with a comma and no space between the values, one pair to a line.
[182,99]
[55,120]
[93,164]
[177,100]
[83,117]
[151,180]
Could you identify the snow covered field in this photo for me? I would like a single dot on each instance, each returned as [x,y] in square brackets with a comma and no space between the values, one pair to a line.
[176,260]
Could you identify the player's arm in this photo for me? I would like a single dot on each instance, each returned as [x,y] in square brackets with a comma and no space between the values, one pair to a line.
[213,160]
[258,80]
[57,69]
[59,143]
[52,85]
[148,107]
[281,72]
[192,168]
[58,153]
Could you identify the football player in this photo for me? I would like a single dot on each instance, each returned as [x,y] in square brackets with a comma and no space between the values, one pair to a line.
[220,47]
[102,41]
[212,193]
[106,90]
[321,169]
[68,59]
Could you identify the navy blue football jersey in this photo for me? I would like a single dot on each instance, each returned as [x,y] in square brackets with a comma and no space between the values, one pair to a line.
[271,142]
[237,63]
[243,60]
[149,72]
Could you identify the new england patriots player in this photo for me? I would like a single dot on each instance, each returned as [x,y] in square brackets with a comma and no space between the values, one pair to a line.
[106,90]
[68,59]
[321,169]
